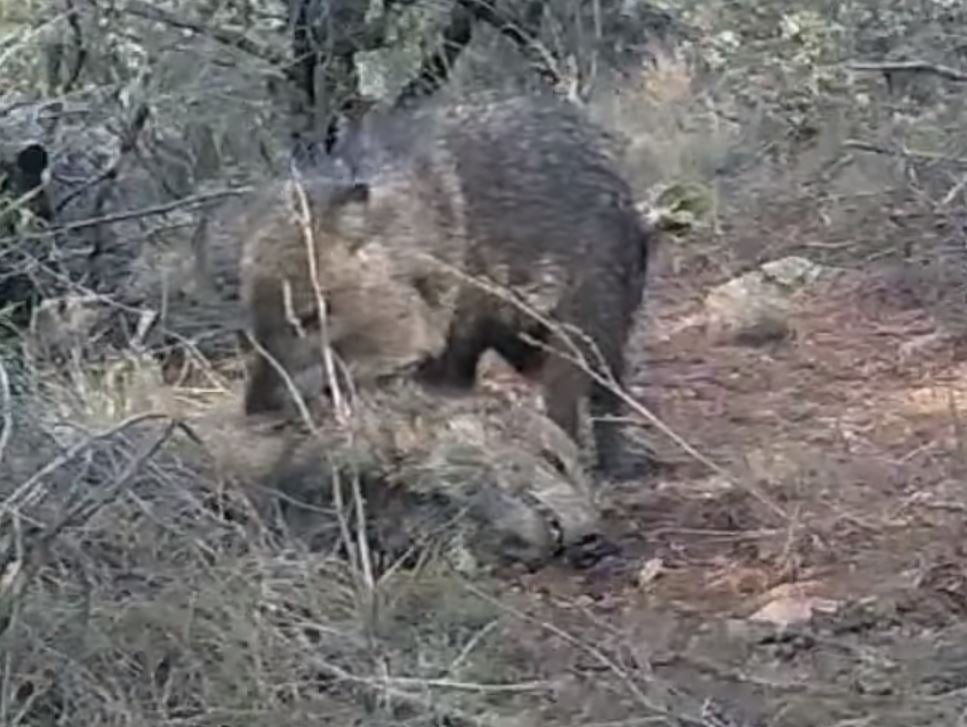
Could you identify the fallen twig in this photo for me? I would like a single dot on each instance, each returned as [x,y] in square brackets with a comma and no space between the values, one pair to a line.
[643,699]
[6,411]
[388,686]
[904,152]
[945,72]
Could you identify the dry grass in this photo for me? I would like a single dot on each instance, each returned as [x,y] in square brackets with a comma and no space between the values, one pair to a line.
[137,590]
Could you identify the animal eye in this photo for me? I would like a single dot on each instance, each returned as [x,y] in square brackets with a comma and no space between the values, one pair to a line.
[553,459]
[310,320]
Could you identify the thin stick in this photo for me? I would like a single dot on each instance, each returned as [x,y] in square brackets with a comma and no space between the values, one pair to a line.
[158,209]
[341,406]
[6,419]
[305,219]
[945,72]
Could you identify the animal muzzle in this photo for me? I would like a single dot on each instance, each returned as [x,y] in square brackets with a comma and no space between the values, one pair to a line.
[589,551]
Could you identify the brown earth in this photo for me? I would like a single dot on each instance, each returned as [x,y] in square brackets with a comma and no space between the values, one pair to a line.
[842,495]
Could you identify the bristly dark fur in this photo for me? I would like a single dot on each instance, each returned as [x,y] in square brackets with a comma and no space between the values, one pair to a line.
[524,193]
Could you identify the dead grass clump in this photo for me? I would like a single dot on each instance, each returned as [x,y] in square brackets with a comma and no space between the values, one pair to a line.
[138,589]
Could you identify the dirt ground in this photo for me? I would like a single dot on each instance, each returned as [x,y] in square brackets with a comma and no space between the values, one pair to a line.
[817,579]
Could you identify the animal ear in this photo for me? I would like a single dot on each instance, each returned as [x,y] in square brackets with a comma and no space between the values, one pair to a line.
[351,204]
[32,161]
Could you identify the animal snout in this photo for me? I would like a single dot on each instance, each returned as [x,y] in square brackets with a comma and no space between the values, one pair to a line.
[590,550]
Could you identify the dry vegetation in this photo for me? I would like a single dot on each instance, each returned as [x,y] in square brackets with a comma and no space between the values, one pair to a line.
[796,559]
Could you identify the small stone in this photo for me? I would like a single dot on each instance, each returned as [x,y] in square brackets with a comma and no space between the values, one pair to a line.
[756,308]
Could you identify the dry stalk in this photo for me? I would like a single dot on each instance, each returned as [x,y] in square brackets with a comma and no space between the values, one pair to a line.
[21,559]
[194,355]
[360,552]
[6,415]
[305,220]
[89,505]
[114,304]
[13,583]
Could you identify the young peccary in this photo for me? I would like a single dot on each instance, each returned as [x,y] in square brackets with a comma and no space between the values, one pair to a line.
[522,194]
[379,323]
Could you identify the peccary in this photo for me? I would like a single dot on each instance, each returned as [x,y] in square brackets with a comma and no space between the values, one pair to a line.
[523,193]
[496,476]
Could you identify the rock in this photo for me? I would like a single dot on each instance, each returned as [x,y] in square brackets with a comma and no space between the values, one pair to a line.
[746,310]
[755,308]
[793,603]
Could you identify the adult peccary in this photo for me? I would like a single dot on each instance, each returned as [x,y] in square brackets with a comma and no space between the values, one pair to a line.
[489,475]
[522,193]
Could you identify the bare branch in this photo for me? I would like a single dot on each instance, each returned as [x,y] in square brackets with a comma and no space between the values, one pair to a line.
[129,140]
[28,491]
[436,69]
[524,37]
[159,209]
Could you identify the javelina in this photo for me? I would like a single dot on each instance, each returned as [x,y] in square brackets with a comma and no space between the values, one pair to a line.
[499,478]
[521,192]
